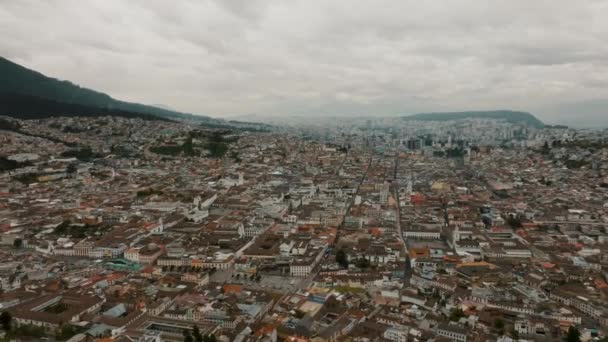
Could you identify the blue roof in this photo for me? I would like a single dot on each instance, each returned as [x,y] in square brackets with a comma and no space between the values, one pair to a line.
[116,311]
[251,310]
[99,329]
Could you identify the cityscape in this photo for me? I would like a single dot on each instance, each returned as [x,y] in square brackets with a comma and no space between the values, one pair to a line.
[303,171]
[476,229]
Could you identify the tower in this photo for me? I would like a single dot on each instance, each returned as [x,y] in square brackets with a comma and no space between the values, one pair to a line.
[409,188]
[161,226]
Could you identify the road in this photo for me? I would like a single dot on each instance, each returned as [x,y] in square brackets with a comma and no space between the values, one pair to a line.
[304,283]
[352,199]
[588,223]
[395,186]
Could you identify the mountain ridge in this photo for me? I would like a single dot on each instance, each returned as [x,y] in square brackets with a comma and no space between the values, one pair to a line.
[508,115]
[16,79]
[27,107]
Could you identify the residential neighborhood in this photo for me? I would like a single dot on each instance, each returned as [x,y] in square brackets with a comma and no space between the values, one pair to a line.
[119,229]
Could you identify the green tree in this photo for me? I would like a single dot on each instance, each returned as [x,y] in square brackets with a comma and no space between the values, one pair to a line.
[217,149]
[188,148]
[499,325]
[66,332]
[29,330]
[545,150]
[342,259]
[514,221]
[198,337]
[456,314]
[573,335]
[5,320]
[209,338]
[18,243]
[71,168]
[362,263]
[187,336]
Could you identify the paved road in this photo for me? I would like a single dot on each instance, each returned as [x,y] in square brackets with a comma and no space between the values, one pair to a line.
[590,223]
[396,194]
[352,200]
[304,283]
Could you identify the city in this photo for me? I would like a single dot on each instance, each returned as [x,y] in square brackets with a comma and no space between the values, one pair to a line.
[303,171]
[478,229]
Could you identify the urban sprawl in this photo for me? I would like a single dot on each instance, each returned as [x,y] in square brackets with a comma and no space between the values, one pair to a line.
[118,229]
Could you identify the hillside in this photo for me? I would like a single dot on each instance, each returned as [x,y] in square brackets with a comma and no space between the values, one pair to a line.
[507,115]
[28,107]
[18,80]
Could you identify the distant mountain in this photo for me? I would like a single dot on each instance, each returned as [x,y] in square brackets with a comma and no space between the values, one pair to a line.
[507,115]
[18,80]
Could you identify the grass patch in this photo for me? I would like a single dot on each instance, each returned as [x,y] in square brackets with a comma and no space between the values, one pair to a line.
[349,289]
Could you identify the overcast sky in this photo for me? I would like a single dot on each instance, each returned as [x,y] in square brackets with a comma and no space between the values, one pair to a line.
[226,58]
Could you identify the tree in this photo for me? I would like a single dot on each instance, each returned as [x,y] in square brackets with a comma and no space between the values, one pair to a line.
[188,148]
[573,335]
[30,330]
[514,221]
[5,320]
[71,169]
[342,259]
[18,243]
[456,315]
[515,334]
[362,263]
[209,338]
[68,331]
[198,337]
[187,336]
[545,150]
[499,325]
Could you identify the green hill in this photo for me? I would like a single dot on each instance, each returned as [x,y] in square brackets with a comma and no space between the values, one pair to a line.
[16,80]
[28,107]
[507,115]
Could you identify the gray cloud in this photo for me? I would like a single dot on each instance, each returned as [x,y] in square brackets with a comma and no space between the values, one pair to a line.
[229,58]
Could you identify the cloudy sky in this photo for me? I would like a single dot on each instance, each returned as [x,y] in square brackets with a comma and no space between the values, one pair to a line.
[231,58]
